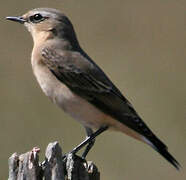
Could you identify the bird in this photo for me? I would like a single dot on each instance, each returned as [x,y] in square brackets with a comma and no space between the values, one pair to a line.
[74,82]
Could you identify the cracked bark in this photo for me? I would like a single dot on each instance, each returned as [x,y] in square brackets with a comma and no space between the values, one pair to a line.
[54,167]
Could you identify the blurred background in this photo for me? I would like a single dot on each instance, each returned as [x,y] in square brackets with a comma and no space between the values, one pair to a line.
[142,47]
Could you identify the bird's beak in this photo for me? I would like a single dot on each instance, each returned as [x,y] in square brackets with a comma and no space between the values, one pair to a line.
[16,19]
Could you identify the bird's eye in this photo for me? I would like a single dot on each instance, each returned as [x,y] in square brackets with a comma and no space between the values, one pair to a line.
[36,18]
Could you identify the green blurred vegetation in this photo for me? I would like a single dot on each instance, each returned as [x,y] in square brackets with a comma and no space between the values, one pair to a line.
[141,46]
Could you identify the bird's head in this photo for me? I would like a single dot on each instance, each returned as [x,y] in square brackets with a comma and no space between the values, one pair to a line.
[47,23]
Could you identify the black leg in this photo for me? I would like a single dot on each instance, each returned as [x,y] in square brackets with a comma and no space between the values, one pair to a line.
[89,132]
[89,139]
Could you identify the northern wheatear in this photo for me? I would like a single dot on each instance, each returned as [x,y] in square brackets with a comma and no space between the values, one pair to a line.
[69,77]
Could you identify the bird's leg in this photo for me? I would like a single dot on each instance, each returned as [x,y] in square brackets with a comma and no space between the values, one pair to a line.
[88,140]
[89,132]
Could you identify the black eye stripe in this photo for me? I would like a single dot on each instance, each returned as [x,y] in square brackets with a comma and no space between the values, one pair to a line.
[36,18]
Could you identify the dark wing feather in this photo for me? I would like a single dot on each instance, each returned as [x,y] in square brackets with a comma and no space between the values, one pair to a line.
[87,80]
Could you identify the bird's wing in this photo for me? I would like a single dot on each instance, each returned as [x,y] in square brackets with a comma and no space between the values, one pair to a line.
[88,81]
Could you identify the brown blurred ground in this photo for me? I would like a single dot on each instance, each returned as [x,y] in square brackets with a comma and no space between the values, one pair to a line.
[142,47]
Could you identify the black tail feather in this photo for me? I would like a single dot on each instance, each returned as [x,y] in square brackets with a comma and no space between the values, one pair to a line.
[169,157]
[163,150]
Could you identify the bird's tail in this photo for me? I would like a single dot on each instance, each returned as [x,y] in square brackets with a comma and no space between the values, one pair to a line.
[161,148]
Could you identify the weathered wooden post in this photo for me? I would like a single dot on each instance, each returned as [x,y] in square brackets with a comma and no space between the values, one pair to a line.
[54,167]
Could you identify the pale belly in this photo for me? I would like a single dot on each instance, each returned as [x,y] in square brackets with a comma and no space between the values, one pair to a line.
[75,106]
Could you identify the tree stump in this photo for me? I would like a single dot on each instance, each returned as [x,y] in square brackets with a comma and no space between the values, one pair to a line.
[54,167]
